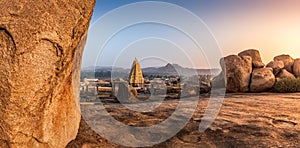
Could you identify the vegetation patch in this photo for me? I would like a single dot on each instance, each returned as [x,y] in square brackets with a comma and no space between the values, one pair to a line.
[287,85]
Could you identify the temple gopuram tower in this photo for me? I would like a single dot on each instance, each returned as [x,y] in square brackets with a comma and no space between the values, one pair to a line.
[136,78]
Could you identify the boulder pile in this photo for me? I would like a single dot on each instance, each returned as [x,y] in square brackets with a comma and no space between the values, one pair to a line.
[246,72]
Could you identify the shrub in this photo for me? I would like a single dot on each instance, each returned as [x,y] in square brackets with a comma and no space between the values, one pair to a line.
[287,85]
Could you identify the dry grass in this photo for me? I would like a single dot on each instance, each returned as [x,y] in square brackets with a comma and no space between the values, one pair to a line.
[287,85]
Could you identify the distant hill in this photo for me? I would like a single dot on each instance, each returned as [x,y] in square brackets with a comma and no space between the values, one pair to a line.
[175,69]
[169,69]
[103,68]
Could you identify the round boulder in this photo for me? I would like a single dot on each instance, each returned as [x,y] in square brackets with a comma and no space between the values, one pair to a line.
[287,60]
[284,74]
[277,66]
[296,68]
[262,79]
[255,55]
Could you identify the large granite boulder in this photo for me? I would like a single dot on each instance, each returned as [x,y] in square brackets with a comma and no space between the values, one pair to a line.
[237,71]
[41,43]
[296,68]
[277,66]
[262,79]
[255,55]
[287,60]
[284,74]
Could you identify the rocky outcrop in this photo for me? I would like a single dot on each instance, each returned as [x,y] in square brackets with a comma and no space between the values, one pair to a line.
[262,79]
[287,60]
[41,44]
[277,66]
[255,55]
[296,68]
[238,71]
[284,74]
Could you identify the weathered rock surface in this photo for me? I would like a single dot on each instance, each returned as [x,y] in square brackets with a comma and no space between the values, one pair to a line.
[287,60]
[284,74]
[296,68]
[238,71]
[255,55]
[41,44]
[277,66]
[262,79]
[245,120]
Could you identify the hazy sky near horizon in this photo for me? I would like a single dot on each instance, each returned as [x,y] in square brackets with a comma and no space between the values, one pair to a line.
[272,26]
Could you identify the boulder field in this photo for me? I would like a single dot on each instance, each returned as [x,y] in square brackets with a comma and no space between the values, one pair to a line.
[246,72]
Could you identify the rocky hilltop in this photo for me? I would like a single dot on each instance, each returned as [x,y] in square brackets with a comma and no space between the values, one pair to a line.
[247,121]
[246,72]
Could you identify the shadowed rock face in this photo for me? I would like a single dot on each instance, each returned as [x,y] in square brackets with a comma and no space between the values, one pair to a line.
[41,44]
[296,68]
[277,66]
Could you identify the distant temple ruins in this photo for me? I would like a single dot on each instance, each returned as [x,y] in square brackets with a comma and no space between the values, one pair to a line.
[136,78]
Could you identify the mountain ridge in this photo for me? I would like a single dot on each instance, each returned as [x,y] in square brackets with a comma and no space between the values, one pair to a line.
[168,69]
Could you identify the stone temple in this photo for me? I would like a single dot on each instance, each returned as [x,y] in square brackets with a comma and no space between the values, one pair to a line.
[136,78]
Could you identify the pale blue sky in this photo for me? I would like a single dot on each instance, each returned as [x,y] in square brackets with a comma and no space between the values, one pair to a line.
[272,26]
